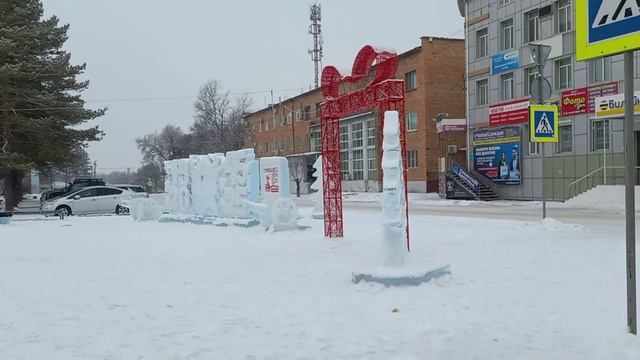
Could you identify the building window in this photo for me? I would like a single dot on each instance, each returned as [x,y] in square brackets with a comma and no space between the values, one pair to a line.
[266,147]
[482,92]
[599,135]
[505,2]
[506,35]
[534,148]
[344,137]
[358,165]
[411,80]
[530,74]
[318,110]
[564,16]
[600,70]
[507,86]
[532,26]
[371,164]
[371,133]
[412,159]
[482,43]
[565,138]
[344,165]
[412,121]
[307,112]
[564,73]
[261,125]
[314,140]
[356,135]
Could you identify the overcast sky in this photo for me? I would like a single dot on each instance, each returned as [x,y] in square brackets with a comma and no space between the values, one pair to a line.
[137,49]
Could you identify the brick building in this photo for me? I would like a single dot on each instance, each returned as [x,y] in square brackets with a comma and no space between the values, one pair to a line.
[434,89]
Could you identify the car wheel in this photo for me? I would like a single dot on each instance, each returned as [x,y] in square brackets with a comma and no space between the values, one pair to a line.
[121,210]
[63,210]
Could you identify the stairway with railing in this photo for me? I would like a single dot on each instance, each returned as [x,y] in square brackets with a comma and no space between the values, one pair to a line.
[599,176]
[471,183]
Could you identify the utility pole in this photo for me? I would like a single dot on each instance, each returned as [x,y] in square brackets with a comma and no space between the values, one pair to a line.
[540,53]
[315,29]
[629,191]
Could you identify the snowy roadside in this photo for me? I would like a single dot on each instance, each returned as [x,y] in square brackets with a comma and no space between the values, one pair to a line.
[110,288]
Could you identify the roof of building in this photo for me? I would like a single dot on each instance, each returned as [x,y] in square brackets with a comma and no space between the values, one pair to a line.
[401,55]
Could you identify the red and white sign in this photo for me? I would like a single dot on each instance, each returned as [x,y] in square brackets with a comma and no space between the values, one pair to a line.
[271,180]
[582,100]
[451,125]
[575,101]
[509,112]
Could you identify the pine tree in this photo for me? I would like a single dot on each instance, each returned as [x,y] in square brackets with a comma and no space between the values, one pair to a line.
[40,103]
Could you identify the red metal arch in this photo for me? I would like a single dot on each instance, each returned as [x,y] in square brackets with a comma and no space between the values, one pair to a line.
[383,92]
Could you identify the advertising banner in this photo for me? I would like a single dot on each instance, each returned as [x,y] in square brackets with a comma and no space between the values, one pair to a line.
[466,177]
[451,125]
[502,62]
[509,113]
[497,154]
[582,100]
[449,189]
[613,106]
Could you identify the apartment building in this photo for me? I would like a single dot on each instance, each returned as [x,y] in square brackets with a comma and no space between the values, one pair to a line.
[500,77]
[434,90]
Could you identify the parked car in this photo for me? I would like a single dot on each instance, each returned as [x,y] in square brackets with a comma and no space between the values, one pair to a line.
[89,200]
[137,190]
[73,187]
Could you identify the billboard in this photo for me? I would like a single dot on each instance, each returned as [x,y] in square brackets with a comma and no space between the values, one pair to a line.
[502,62]
[497,154]
[582,100]
[613,106]
[606,27]
[509,112]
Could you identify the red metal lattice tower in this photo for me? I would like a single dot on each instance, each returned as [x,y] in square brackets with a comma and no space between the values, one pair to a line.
[383,92]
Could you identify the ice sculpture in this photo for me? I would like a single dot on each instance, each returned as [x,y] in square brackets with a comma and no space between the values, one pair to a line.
[318,198]
[214,186]
[393,201]
[170,186]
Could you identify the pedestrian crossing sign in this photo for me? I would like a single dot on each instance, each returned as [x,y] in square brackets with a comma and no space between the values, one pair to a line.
[543,123]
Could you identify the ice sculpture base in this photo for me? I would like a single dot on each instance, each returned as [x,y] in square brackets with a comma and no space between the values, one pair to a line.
[400,276]
[207,220]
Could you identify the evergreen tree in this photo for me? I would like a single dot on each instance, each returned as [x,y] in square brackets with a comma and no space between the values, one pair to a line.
[40,103]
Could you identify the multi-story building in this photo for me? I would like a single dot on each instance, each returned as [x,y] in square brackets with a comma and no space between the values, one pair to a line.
[501,74]
[434,89]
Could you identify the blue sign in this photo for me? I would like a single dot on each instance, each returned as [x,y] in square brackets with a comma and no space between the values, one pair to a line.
[497,155]
[544,123]
[502,62]
[466,177]
[609,19]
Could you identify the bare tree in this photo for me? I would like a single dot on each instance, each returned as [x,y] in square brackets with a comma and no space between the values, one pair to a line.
[218,123]
[171,143]
[297,171]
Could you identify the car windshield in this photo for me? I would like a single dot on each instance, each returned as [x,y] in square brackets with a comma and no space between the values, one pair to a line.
[137,189]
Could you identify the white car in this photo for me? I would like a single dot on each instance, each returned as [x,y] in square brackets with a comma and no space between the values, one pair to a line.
[137,190]
[89,200]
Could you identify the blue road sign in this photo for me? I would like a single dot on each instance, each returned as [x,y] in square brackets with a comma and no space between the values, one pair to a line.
[544,123]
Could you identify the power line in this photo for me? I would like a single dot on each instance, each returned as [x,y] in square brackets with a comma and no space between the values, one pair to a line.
[142,99]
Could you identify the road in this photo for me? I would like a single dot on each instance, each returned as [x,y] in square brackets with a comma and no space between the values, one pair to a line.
[502,210]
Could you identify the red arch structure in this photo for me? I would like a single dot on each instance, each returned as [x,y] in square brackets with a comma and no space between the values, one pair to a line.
[384,93]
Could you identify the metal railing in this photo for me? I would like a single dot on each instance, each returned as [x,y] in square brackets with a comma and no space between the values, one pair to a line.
[595,178]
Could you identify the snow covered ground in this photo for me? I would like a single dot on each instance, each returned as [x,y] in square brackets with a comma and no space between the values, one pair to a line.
[111,288]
